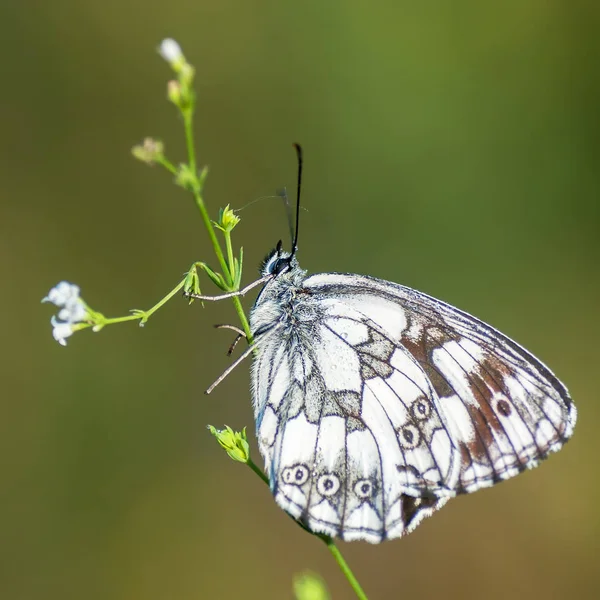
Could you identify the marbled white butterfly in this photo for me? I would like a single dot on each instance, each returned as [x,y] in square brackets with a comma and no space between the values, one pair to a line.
[375,403]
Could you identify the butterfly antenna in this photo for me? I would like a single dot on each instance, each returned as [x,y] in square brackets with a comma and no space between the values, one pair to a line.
[299,188]
[288,212]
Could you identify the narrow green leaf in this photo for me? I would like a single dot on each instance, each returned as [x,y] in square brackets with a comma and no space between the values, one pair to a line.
[234,275]
[238,269]
[216,278]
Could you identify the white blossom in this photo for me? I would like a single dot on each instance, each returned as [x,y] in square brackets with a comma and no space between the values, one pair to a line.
[73,313]
[170,50]
[63,294]
[61,331]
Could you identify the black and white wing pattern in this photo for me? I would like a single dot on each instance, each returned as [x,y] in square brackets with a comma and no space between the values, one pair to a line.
[376,403]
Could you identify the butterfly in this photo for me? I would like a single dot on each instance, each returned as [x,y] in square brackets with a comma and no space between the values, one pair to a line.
[375,403]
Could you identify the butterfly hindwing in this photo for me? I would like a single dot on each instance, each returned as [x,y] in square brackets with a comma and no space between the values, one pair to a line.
[355,445]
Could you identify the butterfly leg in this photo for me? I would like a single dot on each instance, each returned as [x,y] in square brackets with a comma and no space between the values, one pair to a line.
[240,334]
[230,368]
[241,292]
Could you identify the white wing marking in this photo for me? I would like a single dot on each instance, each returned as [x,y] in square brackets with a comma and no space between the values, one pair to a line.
[329,470]
[446,359]
[337,363]
[281,380]
[390,318]
[350,330]
[363,516]
[324,518]
[363,523]
[409,379]
[268,427]
[459,422]
[378,422]
[441,448]
[298,440]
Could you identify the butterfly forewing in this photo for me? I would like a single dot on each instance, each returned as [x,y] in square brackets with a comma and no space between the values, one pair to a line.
[503,408]
[376,403]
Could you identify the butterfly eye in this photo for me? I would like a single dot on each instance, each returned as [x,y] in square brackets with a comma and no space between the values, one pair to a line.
[296,475]
[280,265]
[328,485]
[276,262]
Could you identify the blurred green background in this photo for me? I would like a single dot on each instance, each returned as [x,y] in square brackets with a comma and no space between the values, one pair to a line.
[450,146]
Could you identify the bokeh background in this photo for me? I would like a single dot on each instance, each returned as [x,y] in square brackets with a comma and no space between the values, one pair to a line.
[450,146]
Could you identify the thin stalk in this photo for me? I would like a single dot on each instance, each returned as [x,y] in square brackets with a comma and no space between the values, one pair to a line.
[227,236]
[145,314]
[169,166]
[237,303]
[346,570]
[257,470]
[122,319]
[160,303]
[189,138]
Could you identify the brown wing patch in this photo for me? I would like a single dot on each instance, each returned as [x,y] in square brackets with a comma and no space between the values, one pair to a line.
[492,452]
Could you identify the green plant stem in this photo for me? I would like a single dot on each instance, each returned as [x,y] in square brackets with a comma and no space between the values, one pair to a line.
[213,237]
[189,138]
[345,568]
[145,314]
[227,236]
[237,303]
[258,471]
[167,165]
[328,541]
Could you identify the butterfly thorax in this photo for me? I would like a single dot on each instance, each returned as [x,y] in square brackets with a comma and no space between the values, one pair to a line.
[284,305]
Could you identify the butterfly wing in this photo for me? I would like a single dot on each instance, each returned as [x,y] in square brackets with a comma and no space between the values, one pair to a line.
[380,403]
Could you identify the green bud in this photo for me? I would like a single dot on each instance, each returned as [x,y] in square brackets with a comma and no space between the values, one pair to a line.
[309,586]
[186,178]
[227,220]
[234,443]
[186,75]
[191,284]
[174,92]
[149,152]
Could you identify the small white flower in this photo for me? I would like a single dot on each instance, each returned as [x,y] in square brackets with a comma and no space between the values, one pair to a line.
[73,313]
[170,50]
[63,294]
[61,331]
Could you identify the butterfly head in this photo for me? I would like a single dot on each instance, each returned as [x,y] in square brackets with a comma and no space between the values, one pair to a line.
[278,261]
